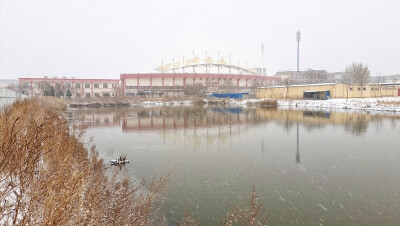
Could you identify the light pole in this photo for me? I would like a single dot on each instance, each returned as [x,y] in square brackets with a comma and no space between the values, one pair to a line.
[262,59]
[298,37]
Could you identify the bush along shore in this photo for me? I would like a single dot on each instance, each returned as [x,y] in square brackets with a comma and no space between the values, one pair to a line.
[49,177]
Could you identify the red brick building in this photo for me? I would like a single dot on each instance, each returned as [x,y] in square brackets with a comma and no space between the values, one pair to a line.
[69,87]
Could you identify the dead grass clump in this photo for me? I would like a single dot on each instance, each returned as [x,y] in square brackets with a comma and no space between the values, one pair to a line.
[269,103]
[251,214]
[389,103]
[187,219]
[48,177]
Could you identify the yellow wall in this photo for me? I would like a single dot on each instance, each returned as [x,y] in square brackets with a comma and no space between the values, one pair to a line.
[336,91]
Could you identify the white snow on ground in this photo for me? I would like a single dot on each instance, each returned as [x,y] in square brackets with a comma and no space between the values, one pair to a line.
[365,104]
[167,103]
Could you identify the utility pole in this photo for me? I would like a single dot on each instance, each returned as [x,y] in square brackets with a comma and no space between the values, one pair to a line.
[298,34]
[262,59]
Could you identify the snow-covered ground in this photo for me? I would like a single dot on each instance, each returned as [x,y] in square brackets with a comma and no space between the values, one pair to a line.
[367,104]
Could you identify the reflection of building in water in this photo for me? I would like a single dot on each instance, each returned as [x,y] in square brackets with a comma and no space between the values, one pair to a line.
[182,118]
[355,122]
[96,117]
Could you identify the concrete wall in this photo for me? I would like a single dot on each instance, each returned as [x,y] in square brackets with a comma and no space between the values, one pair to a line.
[336,91]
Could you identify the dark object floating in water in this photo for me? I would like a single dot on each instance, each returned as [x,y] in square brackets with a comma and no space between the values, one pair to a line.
[120,161]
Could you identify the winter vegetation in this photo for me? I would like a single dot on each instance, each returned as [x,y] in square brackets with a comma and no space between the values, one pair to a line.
[48,177]
[356,74]
[251,213]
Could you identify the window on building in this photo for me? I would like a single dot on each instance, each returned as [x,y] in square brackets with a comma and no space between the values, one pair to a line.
[87,94]
[68,85]
[106,94]
[364,88]
[96,85]
[25,85]
[77,85]
[36,85]
[87,85]
[114,85]
[78,95]
[105,85]
[97,95]
[351,88]
[358,89]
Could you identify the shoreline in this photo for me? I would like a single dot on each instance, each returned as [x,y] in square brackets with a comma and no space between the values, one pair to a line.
[388,104]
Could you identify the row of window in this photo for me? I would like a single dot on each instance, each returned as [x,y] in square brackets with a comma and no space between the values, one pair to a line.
[372,88]
[68,85]
[86,94]
[149,87]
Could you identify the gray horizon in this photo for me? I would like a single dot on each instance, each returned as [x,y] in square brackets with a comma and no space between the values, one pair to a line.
[100,39]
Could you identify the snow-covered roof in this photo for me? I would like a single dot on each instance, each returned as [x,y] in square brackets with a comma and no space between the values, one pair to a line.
[317,84]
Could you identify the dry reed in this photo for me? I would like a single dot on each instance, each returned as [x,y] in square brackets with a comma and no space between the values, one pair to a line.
[48,177]
[269,103]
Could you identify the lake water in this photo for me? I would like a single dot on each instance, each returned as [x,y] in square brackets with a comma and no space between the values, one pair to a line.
[308,167]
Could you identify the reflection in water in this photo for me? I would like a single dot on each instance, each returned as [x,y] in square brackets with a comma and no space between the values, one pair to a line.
[182,117]
[357,124]
[346,172]
[172,118]
[297,146]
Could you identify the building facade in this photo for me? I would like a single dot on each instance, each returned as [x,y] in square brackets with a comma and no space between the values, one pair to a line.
[134,84]
[326,90]
[64,87]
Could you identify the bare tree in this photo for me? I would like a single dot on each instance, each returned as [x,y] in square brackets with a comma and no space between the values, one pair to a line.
[379,80]
[393,80]
[287,83]
[359,74]
[347,80]
[315,76]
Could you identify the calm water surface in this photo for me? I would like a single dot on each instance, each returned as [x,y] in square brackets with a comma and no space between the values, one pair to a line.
[308,167]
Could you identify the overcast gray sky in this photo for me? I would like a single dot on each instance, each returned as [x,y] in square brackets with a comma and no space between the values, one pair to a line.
[100,38]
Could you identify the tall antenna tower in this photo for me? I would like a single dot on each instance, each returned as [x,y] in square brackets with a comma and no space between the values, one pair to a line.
[298,37]
[262,59]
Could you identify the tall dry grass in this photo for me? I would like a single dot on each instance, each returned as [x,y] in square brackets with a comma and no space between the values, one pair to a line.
[251,213]
[48,177]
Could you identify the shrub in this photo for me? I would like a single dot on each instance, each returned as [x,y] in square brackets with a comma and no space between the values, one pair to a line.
[48,177]
[269,103]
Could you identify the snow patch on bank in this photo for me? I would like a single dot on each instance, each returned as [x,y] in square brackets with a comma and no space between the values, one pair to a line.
[391,104]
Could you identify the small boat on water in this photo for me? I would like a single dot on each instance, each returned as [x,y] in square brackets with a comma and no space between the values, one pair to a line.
[120,161]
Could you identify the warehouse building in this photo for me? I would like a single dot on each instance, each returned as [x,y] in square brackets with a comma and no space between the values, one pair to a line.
[324,91]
